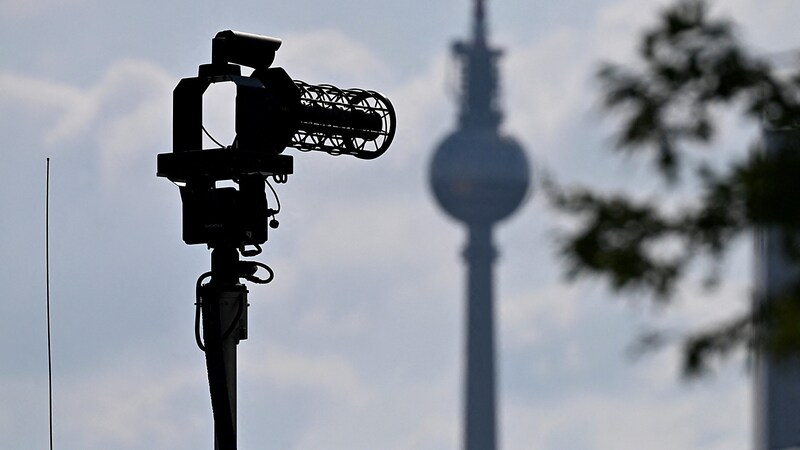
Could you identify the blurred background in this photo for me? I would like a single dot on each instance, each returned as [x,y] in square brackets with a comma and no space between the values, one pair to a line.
[357,344]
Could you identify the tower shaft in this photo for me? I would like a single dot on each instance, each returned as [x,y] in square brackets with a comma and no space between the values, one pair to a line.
[479,413]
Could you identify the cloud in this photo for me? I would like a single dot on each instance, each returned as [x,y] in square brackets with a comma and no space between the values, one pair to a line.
[326,375]
[331,56]
[125,115]
[133,120]
[419,417]
[424,112]
[546,89]
[131,405]
[548,84]
[45,99]
[379,228]
[619,25]
[534,312]
[655,420]
[766,26]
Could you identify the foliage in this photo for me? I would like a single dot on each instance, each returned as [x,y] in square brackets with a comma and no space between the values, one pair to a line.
[692,65]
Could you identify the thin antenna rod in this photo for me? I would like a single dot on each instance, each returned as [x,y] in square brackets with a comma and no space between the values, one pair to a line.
[47,275]
[479,22]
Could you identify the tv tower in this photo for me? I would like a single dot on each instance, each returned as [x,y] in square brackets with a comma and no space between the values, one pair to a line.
[777,380]
[479,177]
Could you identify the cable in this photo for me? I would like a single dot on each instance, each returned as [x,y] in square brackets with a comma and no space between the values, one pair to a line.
[198,305]
[274,194]
[249,269]
[211,137]
[251,276]
[248,253]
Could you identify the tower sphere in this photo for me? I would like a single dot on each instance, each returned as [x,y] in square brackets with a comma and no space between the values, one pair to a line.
[479,176]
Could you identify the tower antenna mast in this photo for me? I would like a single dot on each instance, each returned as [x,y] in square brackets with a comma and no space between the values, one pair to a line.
[479,177]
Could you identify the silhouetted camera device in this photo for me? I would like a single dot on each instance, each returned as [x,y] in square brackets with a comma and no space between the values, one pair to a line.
[273,112]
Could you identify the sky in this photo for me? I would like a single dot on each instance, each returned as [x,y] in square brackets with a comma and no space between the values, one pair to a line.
[357,343]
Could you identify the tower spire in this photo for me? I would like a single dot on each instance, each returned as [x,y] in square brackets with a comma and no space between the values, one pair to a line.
[479,23]
[479,81]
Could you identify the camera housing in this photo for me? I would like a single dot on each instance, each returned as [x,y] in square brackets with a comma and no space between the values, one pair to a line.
[272,112]
[226,215]
[247,49]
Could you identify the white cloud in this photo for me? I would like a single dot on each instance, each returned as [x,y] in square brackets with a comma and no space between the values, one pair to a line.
[366,232]
[130,405]
[45,99]
[528,315]
[546,91]
[126,114]
[423,113]
[549,85]
[333,321]
[766,26]
[131,118]
[331,56]
[420,416]
[650,416]
[619,25]
[327,375]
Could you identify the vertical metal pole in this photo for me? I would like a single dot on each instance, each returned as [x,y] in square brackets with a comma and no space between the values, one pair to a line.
[47,287]
[777,383]
[224,302]
[479,412]
[229,305]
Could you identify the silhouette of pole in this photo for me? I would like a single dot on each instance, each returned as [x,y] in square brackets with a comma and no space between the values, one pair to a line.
[224,305]
[272,112]
[479,177]
[480,415]
[777,383]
